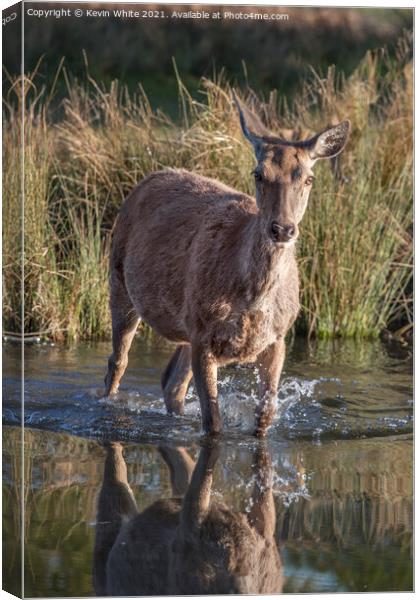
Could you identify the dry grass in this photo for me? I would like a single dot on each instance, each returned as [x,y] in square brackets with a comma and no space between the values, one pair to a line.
[356,247]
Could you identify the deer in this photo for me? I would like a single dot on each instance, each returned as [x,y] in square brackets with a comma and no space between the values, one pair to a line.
[214,269]
[190,543]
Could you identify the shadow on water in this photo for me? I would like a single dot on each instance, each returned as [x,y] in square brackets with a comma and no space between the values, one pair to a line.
[335,476]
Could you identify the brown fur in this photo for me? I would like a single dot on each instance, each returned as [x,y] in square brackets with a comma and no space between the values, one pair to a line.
[199,262]
[193,545]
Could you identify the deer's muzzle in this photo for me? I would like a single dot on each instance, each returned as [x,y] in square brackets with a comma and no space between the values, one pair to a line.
[282,233]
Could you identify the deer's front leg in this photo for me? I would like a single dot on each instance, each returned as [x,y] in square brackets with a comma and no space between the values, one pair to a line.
[204,367]
[270,364]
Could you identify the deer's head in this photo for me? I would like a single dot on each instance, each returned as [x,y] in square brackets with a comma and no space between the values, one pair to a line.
[284,174]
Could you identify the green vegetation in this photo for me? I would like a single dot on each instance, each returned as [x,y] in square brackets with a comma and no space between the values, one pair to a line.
[356,246]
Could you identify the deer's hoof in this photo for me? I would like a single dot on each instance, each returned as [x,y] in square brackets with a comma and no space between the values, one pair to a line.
[174,408]
[260,433]
[212,434]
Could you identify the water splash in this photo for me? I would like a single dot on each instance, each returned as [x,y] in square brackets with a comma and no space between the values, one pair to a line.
[315,401]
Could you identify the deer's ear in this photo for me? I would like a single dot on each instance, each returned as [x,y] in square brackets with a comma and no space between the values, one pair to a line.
[330,142]
[252,127]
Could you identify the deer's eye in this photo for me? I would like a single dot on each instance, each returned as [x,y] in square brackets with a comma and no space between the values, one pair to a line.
[310,180]
[257,175]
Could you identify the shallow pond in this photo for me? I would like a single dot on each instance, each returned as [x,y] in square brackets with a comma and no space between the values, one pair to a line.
[336,470]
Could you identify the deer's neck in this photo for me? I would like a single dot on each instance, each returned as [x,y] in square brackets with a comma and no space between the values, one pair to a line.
[263,265]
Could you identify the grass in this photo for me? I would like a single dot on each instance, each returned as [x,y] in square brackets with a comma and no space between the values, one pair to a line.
[80,162]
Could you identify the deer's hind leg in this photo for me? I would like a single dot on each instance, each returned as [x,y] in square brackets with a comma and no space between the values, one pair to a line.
[124,325]
[176,378]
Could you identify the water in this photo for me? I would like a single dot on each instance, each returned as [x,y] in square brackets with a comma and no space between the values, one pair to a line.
[340,452]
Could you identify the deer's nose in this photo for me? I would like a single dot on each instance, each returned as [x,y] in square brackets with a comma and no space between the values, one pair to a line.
[289,230]
[282,233]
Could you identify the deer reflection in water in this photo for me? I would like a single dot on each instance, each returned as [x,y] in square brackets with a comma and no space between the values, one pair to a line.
[190,543]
